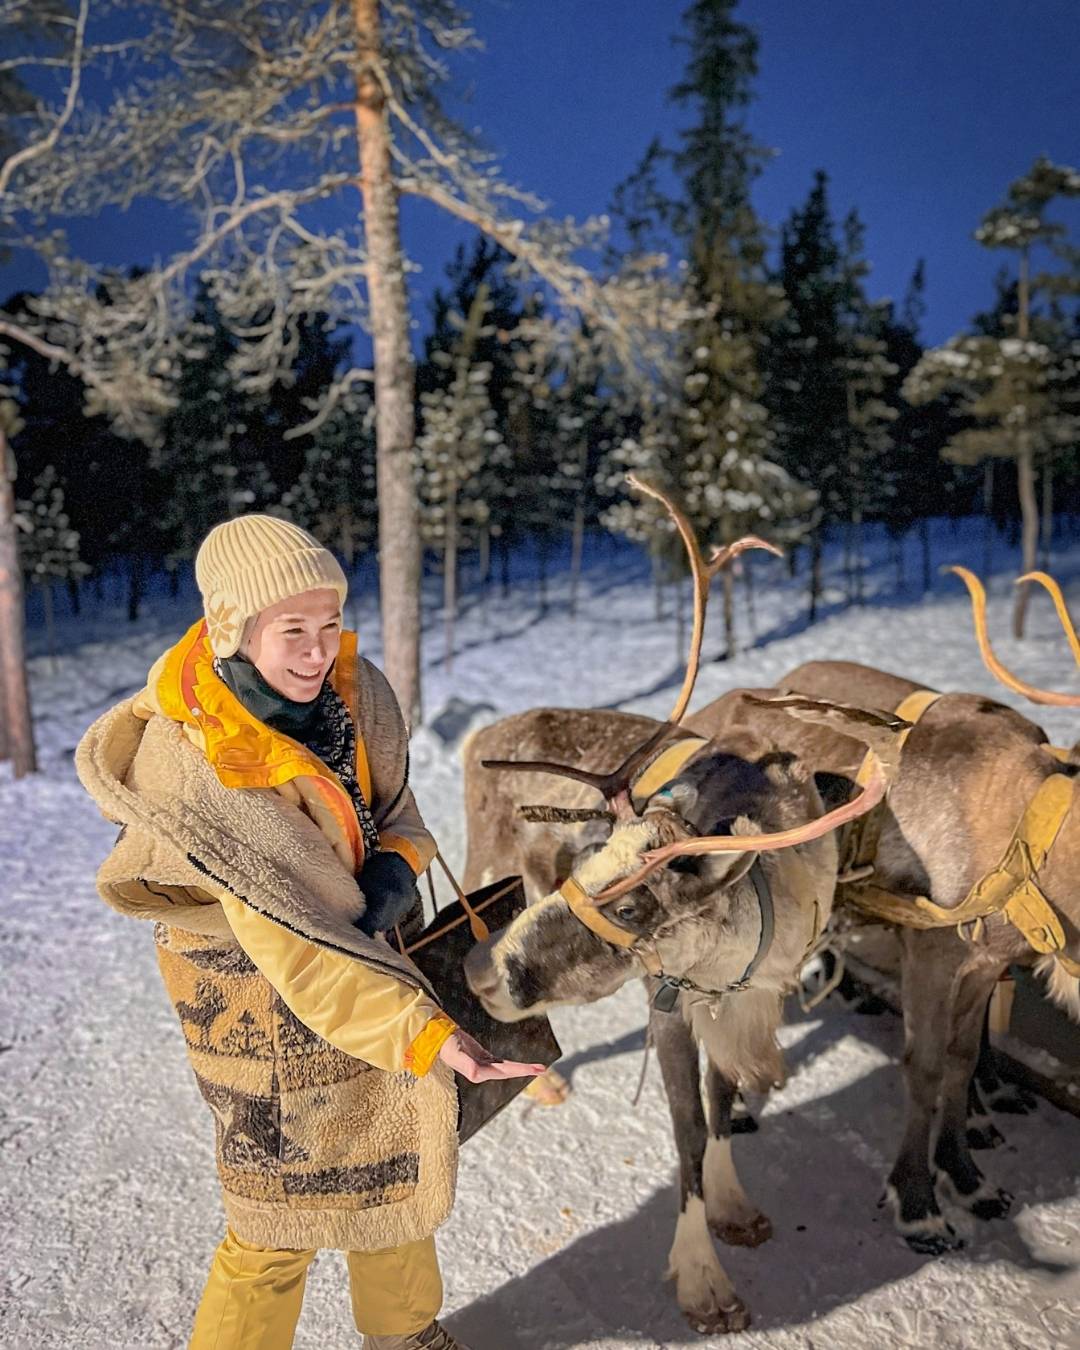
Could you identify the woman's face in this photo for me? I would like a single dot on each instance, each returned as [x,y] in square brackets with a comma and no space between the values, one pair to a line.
[293,643]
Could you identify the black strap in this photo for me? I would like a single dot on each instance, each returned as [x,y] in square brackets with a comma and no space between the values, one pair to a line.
[667,991]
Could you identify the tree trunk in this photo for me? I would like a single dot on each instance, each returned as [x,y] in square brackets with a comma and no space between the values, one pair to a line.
[658,585]
[74,595]
[988,513]
[577,545]
[793,561]
[1029,517]
[898,560]
[50,624]
[1025,469]
[857,531]
[541,572]
[504,563]
[751,608]
[1047,514]
[815,573]
[450,578]
[18,737]
[924,535]
[395,377]
[849,573]
[135,587]
[729,614]
[680,621]
[577,550]
[485,557]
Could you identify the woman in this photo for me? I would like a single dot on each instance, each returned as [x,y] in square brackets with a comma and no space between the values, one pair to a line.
[260,781]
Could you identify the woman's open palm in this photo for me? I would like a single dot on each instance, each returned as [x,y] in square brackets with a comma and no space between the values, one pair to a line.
[469,1058]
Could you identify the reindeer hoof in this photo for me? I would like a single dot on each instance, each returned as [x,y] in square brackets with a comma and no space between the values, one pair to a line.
[744,1124]
[720,1321]
[752,1233]
[993,1205]
[1012,1100]
[928,1233]
[984,1135]
[935,1240]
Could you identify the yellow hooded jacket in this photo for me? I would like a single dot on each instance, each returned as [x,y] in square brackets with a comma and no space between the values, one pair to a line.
[362,1012]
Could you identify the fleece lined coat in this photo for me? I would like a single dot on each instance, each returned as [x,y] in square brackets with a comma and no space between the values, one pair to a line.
[314,1046]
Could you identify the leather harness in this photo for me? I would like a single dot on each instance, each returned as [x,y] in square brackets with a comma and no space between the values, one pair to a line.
[667,993]
[1011,888]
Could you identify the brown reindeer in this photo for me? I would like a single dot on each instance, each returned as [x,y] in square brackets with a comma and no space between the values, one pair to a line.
[712,880]
[970,768]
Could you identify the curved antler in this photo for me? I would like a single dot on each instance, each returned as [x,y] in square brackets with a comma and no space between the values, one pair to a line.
[1049,584]
[615,786]
[882,733]
[1048,697]
[703,573]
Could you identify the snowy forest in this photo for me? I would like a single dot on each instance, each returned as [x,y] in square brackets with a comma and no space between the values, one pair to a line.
[743,364]
[522,454]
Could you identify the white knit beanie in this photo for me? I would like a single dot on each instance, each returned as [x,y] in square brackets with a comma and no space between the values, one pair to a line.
[246,564]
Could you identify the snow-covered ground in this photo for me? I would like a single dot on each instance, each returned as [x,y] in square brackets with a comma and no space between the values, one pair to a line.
[564,1217]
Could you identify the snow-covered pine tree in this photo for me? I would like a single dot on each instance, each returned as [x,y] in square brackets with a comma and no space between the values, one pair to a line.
[1017,388]
[460,432]
[334,495]
[207,459]
[709,431]
[48,545]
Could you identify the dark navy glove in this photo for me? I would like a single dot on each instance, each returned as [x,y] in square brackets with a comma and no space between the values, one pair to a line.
[389,888]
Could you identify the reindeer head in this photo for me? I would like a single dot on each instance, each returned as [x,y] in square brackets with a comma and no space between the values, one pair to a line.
[669,892]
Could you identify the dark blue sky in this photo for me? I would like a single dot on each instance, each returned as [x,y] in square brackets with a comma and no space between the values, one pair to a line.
[921,111]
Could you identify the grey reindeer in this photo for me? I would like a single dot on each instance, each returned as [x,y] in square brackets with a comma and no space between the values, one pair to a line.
[713,887]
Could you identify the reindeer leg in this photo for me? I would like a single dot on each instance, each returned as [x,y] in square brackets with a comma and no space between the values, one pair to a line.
[957,1169]
[705,1295]
[927,966]
[730,1215]
[981,1130]
[1009,1098]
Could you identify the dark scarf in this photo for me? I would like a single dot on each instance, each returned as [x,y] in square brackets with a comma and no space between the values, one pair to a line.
[323,725]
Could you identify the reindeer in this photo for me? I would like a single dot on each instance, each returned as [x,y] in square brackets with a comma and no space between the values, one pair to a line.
[969,770]
[713,886]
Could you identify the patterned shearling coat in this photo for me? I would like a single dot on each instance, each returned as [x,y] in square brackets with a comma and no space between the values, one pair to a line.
[314,1046]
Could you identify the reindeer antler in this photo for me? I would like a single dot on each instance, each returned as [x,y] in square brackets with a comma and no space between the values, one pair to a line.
[615,786]
[882,733]
[703,573]
[1049,584]
[1048,697]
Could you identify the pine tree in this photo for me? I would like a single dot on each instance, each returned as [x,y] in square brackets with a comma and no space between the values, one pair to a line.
[334,495]
[708,435]
[48,545]
[1016,388]
[459,434]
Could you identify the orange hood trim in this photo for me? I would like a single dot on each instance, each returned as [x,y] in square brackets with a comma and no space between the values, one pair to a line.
[246,753]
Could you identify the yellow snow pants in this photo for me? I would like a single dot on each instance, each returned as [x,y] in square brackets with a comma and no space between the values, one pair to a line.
[253,1295]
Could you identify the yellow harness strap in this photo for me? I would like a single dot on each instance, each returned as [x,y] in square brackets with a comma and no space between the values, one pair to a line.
[1010,888]
[859,844]
[584,909]
[664,768]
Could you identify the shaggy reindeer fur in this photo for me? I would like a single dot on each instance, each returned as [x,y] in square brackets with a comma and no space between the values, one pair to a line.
[701,916]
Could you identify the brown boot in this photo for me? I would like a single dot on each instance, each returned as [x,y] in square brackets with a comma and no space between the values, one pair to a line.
[433,1337]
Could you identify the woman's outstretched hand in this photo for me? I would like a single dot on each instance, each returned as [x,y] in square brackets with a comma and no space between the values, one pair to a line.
[469,1058]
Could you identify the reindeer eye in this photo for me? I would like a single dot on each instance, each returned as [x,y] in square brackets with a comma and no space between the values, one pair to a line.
[625,911]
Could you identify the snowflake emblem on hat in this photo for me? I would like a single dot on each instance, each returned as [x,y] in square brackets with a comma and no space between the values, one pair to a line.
[219,623]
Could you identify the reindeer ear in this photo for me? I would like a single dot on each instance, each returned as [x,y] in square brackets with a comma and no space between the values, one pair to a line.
[678,795]
[724,870]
